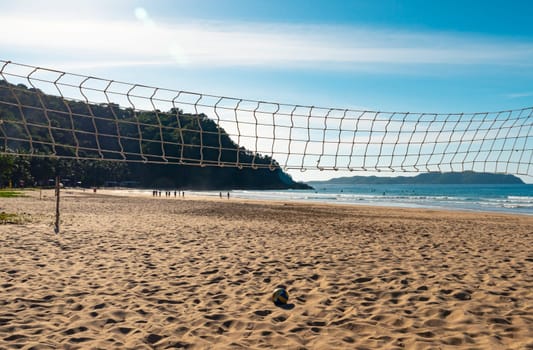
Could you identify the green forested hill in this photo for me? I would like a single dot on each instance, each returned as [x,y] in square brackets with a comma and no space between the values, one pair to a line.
[140,136]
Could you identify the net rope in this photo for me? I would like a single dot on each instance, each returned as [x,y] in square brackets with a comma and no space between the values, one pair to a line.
[50,113]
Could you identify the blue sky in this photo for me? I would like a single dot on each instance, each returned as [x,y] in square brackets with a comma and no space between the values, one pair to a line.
[411,55]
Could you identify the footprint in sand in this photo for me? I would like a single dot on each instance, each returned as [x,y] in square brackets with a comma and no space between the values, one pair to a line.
[279,319]
[262,312]
[215,317]
[15,337]
[153,338]
[124,330]
[72,331]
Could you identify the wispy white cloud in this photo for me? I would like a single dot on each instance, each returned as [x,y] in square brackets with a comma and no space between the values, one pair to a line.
[144,41]
[519,95]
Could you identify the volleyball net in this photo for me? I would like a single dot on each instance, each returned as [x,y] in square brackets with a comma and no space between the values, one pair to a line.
[50,113]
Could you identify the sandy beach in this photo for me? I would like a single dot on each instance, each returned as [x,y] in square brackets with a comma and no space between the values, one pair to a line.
[131,272]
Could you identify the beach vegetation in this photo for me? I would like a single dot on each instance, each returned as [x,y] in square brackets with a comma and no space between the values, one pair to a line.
[11,218]
[10,194]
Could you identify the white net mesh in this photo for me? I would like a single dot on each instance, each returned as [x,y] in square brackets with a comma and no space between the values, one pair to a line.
[49,113]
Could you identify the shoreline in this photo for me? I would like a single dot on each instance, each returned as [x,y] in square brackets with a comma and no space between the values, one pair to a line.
[330,199]
[202,195]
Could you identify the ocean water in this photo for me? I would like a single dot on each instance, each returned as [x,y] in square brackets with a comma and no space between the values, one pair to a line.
[516,198]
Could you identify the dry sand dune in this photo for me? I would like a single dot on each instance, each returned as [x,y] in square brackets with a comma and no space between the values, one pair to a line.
[145,273]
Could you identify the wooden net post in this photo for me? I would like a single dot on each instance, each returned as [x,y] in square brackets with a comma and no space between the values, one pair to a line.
[56,225]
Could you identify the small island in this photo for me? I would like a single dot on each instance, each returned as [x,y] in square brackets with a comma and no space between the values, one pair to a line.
[433,178]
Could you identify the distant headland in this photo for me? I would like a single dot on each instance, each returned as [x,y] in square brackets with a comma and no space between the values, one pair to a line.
[466,178]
